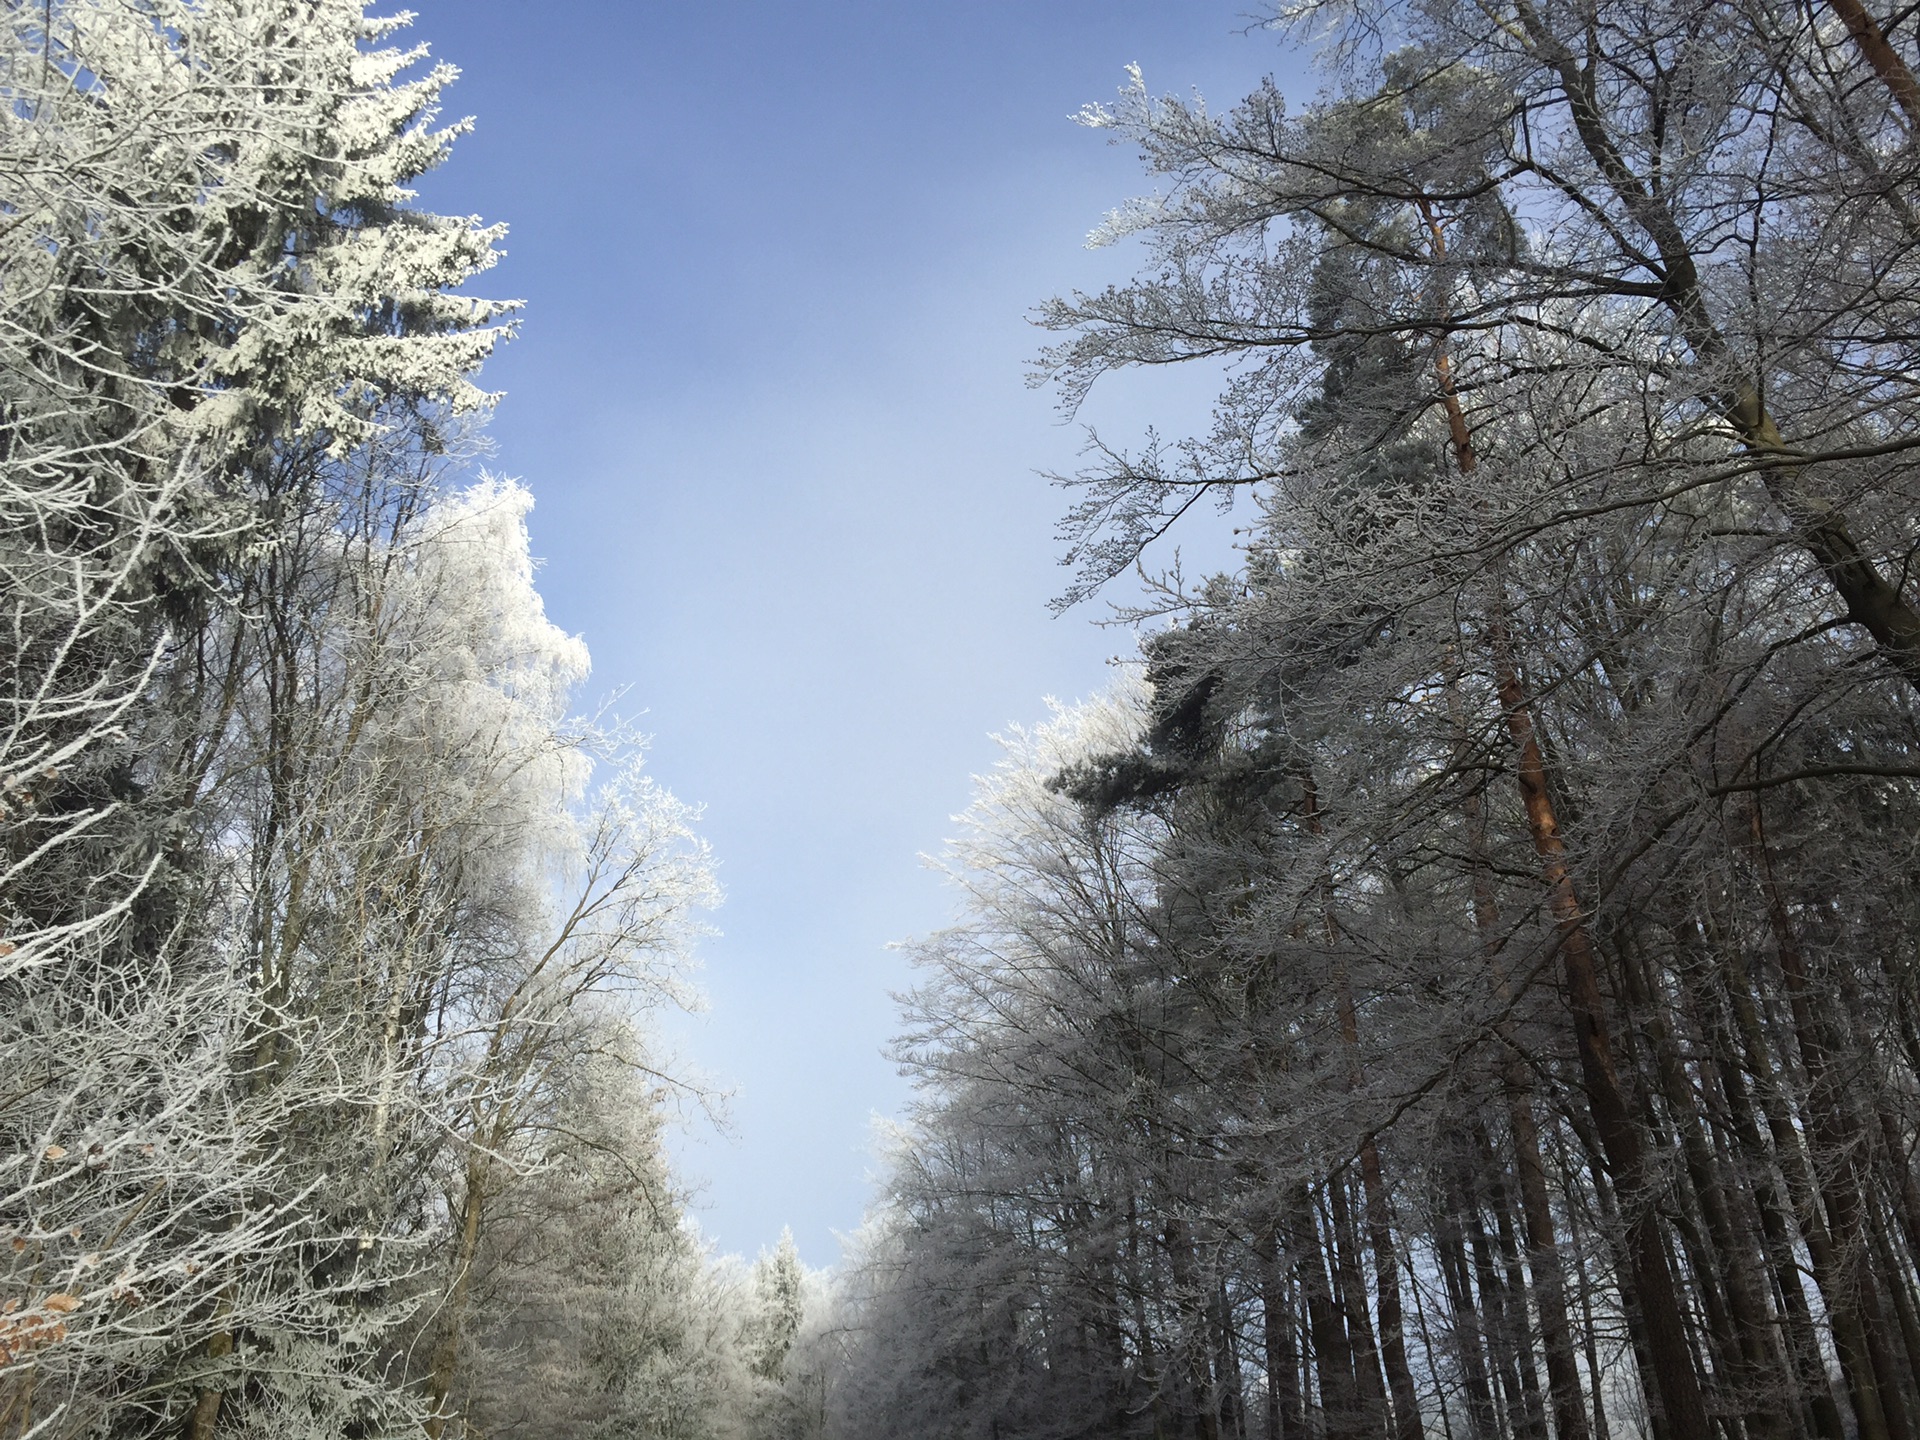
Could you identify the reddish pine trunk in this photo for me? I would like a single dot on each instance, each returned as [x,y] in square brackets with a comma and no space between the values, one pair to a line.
[1536,1206]
[1871,41]
[1676,1387]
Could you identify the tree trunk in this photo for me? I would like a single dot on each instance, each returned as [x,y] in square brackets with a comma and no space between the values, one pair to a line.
[1852,1300]
[1871,41]
[1536,1206]
[1749,1357]
[1677,1387]
[1495,1307]
[206,1405]
[1285,1420]
[1518,1312]
[1468,1330]
[1407,1424]
[1803,1345]
[1228,1383]
[1332,1353]
[1370,1390]
[446,1354]
[1195,1373]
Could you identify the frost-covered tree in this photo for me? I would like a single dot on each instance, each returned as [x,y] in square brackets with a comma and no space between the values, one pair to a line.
[595,1311]
[313,896]
[207,270]
[779,1295]
[1519,930]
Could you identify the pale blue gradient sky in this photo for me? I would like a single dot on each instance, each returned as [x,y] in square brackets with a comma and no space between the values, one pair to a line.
[769,393]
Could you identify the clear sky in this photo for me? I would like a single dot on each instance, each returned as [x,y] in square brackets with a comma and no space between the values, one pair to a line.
[778,259]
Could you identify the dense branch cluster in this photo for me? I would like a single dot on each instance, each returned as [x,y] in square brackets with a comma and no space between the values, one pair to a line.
[1470,985]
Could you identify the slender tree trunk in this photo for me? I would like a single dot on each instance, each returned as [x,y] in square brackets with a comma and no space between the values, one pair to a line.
[1871,41]
[1590,1334]
[1852,1299]
[1495,1306]
[1196,1372]
[1352,1285]
[1536,1206]
[1802,1341]
[1518,1310]
[1110,1328]
[1906,1195]
[1285,1420]
[1676,1384]
[1407,1424]
[1332,1353]
[1468,1331]
[206,1404]
[1138,1284]
[1748,1354]
[446,1354]
[1677,1388]
[1228,1383]
[1433,1364]
[1547,1267]
[1900,1295]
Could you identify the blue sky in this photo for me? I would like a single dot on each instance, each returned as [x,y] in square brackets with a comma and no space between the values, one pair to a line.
[770,395]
